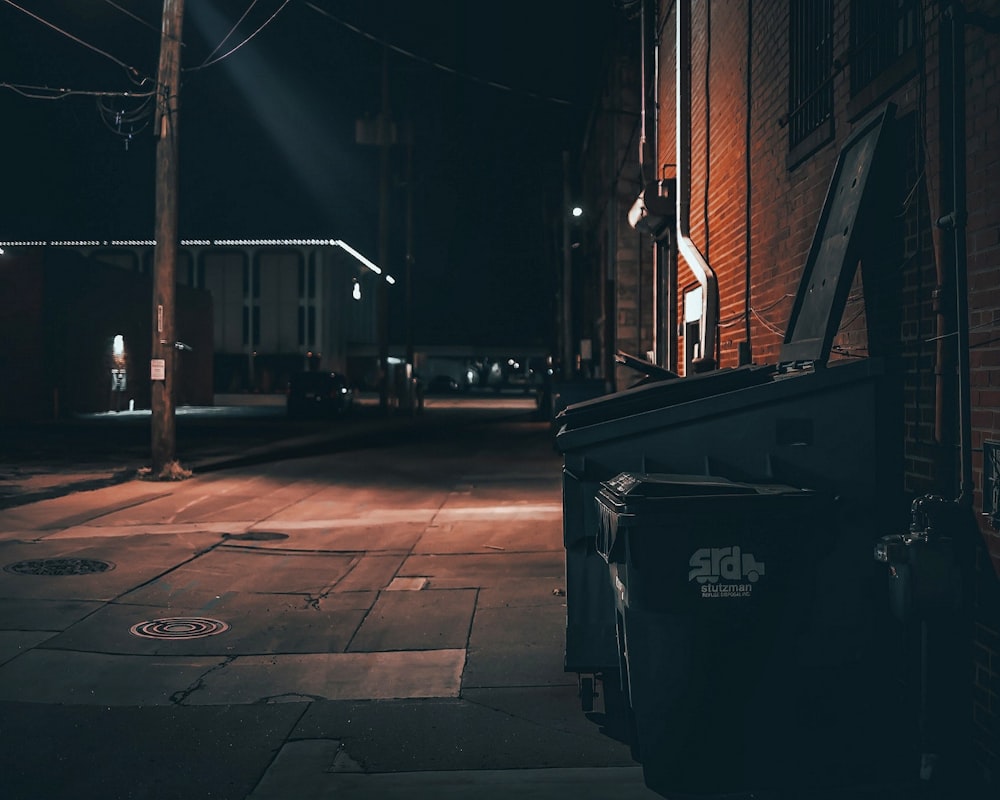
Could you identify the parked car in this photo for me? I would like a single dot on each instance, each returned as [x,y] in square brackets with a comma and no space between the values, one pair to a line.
[318,394]
[443,384]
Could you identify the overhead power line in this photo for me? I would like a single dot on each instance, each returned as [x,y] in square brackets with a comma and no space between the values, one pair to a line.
[134,74]
[431,63]
[51,93]
[210,61]
[128,13]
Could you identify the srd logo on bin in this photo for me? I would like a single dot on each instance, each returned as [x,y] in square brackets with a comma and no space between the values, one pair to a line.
[725,571]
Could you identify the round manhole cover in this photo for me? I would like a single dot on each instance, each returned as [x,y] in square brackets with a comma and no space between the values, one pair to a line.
[178,628]
[59,566]
[257,536]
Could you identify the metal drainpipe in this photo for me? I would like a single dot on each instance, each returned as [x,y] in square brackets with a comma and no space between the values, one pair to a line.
[704,273]
[955,221]
[643,88]
[648,157]
[667,250]
[746,356]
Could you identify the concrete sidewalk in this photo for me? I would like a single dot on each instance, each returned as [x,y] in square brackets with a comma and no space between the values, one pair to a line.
[60,471]
[380,622]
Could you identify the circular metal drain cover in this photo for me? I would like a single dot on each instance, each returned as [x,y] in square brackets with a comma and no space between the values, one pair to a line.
[59,566]
[179,628]
[257,536]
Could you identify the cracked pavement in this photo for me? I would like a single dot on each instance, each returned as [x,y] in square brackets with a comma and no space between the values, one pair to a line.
[366,622]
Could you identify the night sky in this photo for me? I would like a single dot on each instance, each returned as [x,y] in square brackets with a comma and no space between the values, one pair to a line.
[267,134]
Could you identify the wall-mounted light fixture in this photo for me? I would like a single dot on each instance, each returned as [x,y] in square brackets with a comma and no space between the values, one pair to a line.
[654,211]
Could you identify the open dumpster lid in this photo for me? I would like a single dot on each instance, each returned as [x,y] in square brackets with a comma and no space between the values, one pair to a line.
[835,250]
[649,369]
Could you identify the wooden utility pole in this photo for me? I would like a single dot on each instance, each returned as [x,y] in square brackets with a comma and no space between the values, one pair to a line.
[410,355]
[382,292]
[165,255]
[568,367]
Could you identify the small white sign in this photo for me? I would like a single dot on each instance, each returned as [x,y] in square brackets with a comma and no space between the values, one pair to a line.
[158,369]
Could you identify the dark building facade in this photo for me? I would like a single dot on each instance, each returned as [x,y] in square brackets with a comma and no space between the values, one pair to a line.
[76,336]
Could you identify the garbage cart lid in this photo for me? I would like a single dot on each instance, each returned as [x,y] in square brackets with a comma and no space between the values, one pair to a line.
[643,484]
[653,486]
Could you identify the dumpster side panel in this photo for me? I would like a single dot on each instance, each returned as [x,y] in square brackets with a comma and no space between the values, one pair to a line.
[590,621]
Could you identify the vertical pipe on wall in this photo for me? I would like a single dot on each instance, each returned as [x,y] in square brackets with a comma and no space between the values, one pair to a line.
[567,277]
[670,248]
[696,262]
[953,224]
[944,361]
[661,263]
[647,165]
[647,174]
[748,200]
[611,263]
[955,221]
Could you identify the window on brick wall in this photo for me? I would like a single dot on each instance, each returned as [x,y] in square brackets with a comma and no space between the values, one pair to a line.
[810,88]
[883,38]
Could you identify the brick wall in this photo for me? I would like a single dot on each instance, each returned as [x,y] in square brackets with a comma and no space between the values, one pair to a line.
[22,358]
[758,266]
[982,121]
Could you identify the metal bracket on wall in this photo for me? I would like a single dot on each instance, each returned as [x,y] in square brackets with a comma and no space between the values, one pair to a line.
[991,482]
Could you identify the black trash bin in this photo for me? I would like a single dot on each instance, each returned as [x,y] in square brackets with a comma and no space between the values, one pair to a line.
[746,640]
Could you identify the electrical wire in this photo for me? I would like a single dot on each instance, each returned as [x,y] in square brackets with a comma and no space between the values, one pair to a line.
[210,61]
[768,325]
[134,75]
[232,30]
[431,63]
[116,117]
[768,307]
[128,13]
[136,120]
[48,93]
[731,321]
[982,325]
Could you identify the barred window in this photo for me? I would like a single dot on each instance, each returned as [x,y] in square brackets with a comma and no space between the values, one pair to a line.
[881,32]
[810,88]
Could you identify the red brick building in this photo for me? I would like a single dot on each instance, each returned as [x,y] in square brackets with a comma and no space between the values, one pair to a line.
[776,88]
[75,335]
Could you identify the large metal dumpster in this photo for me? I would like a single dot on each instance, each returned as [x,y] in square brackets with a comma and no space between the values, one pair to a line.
[804,421]
[745,640]
[600,438]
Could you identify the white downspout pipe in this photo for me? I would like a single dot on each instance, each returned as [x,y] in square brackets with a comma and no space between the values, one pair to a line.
[704,273]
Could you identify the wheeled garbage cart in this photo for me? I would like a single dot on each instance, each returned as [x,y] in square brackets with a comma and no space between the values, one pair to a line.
[744,643]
